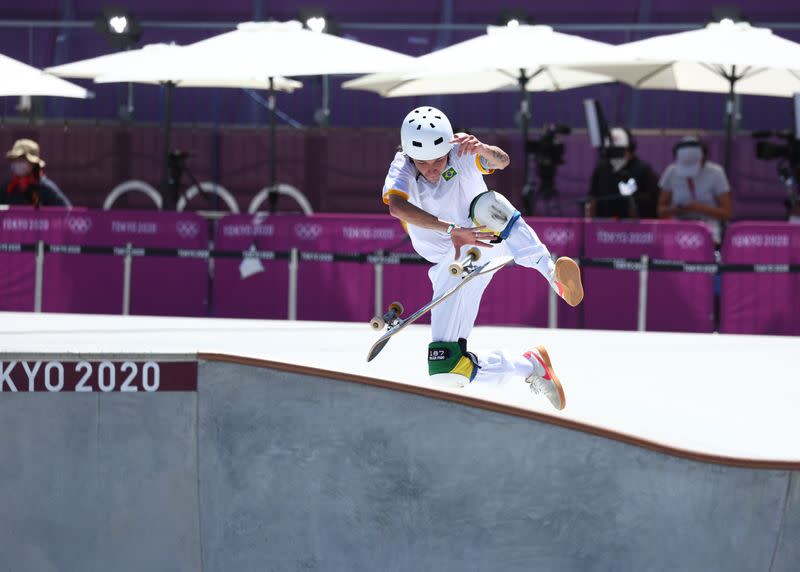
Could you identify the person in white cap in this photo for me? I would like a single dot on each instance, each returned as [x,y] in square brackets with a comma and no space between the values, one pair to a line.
[435,185]
[28,184]
[694,188]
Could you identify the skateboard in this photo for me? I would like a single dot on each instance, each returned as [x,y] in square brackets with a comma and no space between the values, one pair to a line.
[467,268]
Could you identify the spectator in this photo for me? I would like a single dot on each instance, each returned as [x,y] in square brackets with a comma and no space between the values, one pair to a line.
[29,185]
[623,186]
[694,188]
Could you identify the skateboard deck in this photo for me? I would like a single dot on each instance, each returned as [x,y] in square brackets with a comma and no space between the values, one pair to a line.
[399,324]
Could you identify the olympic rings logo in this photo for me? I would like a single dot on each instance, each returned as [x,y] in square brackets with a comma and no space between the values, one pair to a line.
[79,224]
[307,231]
[559,235]
[689,240]
[187,229]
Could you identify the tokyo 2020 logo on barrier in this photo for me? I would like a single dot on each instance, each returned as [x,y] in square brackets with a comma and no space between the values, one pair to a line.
[307,231]
[759,240]
[624,237]
[559,236]
[79,224]
[187,229]
[689,240]
[368,233]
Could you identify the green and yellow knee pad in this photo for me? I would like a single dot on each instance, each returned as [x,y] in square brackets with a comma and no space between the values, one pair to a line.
[452,357]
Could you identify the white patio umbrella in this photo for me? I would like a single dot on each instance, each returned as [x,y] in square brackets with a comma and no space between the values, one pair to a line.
[21,79]
[527,58]
[152,64]
[725,57]
[155,60]
[264,51]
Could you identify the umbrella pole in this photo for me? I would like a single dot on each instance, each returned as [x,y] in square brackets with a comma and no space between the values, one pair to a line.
[729,119]
[524,117]
[273,178]
[170,186]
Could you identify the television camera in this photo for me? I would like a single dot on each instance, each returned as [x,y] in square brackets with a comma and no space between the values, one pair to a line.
[548,155]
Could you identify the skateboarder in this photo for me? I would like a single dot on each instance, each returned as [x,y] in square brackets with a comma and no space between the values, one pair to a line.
[435,185]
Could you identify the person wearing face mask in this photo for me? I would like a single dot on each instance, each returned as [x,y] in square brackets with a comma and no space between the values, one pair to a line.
[435,185]
[28,184]
[622,185]
[694,188]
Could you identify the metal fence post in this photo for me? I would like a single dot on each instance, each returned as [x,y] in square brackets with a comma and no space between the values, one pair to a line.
[39,280]
[379,285]
[293,266]
[126,280]
[643,275]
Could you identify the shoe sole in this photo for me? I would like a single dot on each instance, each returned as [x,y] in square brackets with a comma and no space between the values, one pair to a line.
[569,276]
[548,364]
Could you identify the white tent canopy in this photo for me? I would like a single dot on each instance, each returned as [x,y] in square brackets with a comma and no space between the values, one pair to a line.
[499,60]
[257,51]
[714,59]
[21,79]
[156,61]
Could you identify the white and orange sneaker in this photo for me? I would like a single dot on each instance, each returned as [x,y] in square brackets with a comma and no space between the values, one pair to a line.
[543,380]
[567,281]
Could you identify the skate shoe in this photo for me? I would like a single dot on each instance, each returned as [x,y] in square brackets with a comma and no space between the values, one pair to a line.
[567,281]
[547,384]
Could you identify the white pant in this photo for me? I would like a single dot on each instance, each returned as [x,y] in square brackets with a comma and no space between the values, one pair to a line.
[455,317]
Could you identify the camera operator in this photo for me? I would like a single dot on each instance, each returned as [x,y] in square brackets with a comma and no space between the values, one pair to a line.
[622,186]
[694,188]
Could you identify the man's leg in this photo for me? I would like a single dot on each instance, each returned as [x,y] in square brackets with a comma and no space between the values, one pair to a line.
[451,324]
[563,275]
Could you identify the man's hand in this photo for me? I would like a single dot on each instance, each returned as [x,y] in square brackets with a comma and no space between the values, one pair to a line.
[468,144]
[495,158]
[469,236]
[687,208]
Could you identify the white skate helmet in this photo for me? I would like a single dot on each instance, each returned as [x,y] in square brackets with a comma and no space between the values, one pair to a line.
[426,133]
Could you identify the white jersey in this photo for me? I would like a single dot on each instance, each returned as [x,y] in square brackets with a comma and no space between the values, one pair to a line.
[448,199]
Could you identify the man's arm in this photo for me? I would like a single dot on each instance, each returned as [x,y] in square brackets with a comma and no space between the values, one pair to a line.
[412,214]
[665,210]
[493,156]
[405,211]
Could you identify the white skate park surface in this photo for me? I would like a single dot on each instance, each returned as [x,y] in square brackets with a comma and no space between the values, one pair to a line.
[675,452]
[722,395]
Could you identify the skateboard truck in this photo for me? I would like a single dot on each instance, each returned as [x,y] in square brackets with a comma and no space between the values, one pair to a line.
[469,260]
[389,318]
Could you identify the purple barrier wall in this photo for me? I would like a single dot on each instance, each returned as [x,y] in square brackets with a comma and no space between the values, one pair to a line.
[677,301]
[90,283]
[761,303]
[348,293]
[326,291]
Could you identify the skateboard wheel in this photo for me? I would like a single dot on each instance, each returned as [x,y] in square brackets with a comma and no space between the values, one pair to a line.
[474,253]
[377,323]
[456,268]
[397,307]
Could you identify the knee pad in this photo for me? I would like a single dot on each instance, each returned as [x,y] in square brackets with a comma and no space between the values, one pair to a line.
[495,212]
[452,357]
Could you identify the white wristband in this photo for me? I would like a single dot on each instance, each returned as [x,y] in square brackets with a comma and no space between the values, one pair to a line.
[451,228]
